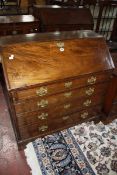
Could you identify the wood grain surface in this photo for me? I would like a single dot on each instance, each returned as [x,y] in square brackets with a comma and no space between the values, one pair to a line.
[42,62]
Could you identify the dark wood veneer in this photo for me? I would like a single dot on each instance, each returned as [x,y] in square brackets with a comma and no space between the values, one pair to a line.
[56,18]
[18,24]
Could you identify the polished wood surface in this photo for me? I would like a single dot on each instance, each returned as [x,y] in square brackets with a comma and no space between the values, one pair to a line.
[18,24]
[56,18]
[30,67]
[51,81]
[59,107]
[17,19]
[68,120]
[13,161]
[51,36]
[76,88]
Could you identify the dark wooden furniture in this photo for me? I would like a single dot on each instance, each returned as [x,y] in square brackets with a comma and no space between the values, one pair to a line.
[18,24]
[12,3]
[55,81]
[111,98]
[56,18]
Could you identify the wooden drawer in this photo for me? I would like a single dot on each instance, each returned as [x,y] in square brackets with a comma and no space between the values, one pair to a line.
[40,118]
[86,114]
[76,117]
[33,117]
[57,102]
[59,87]
[53,113]
[37,130]
[62,122]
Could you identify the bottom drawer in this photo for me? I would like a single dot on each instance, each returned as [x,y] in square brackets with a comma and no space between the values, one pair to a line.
[58,123]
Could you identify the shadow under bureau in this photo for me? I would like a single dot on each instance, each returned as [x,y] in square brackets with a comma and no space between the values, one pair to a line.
[54,80]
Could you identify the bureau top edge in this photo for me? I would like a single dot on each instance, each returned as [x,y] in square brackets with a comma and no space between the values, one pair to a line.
[48,36]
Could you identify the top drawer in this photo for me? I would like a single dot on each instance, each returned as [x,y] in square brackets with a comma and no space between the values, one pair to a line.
[50,89]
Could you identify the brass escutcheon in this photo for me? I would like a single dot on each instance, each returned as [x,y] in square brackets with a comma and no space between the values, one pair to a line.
[43,116]
[68,84]
[42,103]
[90,91]
[65,117]
[68,94]
[43,128]
[60,44]
[42,91]
[84,115]
[87,103]
[67,106]
[91,80]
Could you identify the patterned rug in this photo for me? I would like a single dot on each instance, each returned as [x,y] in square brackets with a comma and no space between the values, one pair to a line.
[85,149]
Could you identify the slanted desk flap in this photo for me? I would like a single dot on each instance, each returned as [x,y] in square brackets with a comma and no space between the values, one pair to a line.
[38,62]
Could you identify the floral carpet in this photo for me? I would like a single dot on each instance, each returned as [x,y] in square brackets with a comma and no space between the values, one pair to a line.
[86,149]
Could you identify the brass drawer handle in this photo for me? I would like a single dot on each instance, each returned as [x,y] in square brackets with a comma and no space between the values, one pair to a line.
[65,117]
[84,115]
[87,103]
[67,106]
[68,94]
[68,84]
[42,91]
[43,128]
[42,103]
[91,80]
[60,44]
[43,116]
[90,91]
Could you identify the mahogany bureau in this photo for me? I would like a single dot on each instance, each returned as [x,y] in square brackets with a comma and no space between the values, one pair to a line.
[56,18]
[54,80]
[18,24]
